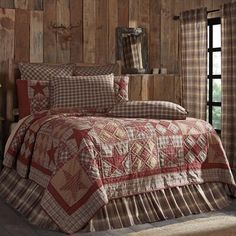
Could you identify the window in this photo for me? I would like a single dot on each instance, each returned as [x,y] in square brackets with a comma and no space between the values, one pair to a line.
[214,73]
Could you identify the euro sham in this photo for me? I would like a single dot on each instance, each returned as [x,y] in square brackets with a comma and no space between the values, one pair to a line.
[42,71]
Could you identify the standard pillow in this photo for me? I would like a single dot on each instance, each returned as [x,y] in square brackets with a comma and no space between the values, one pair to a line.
[33,96]
[121,84]
[97,70]
[41,71]
[90,92]
[149,109]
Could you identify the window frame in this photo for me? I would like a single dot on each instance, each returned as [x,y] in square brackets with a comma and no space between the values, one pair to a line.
[210,76]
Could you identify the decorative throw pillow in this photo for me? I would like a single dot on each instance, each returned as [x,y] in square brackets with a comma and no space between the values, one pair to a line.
[149,109]
[90,92]
[97,70]
[121,84]
[33,96]
[41,71]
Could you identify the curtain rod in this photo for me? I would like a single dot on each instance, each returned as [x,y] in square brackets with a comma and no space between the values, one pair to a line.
[177,17]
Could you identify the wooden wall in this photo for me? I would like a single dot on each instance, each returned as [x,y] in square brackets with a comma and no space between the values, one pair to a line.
[89,35]
[92,40]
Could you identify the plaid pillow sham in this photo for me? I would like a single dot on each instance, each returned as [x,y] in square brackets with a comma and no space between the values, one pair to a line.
[94,93]
[149,109]
[97,70]
[41,71]
[33,96]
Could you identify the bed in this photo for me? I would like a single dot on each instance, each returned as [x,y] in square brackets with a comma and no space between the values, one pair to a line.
[73,169]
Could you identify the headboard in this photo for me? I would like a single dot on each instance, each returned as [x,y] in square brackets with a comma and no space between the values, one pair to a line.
[9,99]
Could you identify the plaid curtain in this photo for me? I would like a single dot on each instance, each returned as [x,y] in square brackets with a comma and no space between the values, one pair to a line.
[193,36]
[228,134]
[132,51]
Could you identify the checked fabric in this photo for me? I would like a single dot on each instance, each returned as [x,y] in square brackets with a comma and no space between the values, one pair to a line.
[83,162]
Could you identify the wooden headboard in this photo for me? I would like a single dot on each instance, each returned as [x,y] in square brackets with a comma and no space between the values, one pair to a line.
[9,96]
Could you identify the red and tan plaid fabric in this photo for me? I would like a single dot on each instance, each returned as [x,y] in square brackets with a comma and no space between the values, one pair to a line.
[89,92]
[97,70]
[83,162]
[194,61]
[25,196]
[121,87]
[149,109]
[41,71]
[33,96]
[132,51]
[228,78]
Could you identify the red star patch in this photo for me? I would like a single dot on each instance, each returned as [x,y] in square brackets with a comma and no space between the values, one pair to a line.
[116,163]
[51,154]
[73,183]
[122,84]
[78,135]
[38,88]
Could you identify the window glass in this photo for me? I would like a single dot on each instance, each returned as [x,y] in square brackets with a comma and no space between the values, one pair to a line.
[208,90]
[216,90]
[216,36]
[208,37]
[207,114]
[208,63]
[216,63]
[216,117]
[214,73]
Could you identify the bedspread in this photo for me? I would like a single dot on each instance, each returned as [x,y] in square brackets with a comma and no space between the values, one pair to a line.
[85,161]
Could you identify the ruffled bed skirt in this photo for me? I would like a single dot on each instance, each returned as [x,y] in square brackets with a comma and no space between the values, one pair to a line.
[25,195]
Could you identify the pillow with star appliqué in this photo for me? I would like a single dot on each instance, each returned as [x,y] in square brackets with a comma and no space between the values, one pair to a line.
[33,96]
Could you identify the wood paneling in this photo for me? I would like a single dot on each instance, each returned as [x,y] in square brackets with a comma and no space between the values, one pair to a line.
[155,87]
[123,13]
[49,36]
[155,36]
[113,23]
[89,31]
[7,3]
[101,39]
[89,35]
[63,35]
[36,36]
[22,35]
[22,4]
[134,12]
[7,24]
[76,19]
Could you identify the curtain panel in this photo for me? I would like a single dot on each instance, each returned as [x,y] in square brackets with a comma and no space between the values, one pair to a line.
[193,26]
[228,77]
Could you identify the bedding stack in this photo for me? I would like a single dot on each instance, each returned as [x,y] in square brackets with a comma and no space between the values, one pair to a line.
[84,157]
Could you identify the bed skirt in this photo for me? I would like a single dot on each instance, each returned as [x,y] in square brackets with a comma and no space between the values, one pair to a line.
[25,195]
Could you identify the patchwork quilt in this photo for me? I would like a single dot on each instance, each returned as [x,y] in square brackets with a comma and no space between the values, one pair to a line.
[84,161]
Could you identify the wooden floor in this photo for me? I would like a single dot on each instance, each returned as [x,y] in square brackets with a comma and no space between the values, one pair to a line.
[12,224]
